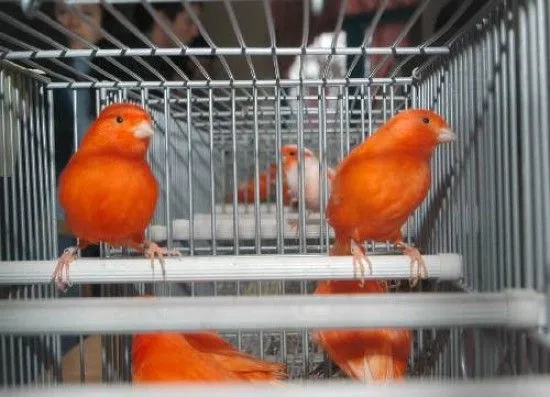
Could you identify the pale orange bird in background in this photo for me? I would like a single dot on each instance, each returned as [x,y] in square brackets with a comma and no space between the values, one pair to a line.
[107,189]
[382,181]
[312,180]
[196,357]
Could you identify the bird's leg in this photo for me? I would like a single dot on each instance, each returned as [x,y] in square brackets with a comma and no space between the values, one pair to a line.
[62,266]
[293,224]
[360,258]
[151,250]
[419,270]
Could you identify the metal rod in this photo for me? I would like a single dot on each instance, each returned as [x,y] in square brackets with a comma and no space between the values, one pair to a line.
[511,308]
[228,83]
[228,267]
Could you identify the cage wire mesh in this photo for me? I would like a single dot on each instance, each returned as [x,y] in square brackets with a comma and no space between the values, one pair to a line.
[220,130]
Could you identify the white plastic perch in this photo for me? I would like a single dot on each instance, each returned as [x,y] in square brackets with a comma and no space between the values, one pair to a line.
[238,267]
[511,308]
[532,386]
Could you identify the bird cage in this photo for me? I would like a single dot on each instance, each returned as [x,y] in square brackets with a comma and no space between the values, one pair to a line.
[479,321]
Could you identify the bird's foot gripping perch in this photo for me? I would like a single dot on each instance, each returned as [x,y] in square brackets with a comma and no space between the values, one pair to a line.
[293,225]
[418,266]
[62,281]
[152,250]
[359,260]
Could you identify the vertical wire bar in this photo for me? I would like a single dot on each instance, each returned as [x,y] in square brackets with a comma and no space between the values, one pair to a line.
[500,193]
[257,223]
[526,153]
[362,93]
[20,172]
[212,170]
[341,116]
[35,347]
[279,184]
[52,216]
[143,98]
[82,358]
[490,159]
[190,176]
[167,169]
[235,175]
[460,163]
[324,173]
[301,172]
[21,360]
[512,32]
[35,174]
[392,100]
[4,160]
[75,119]
[542,22]
[26,182]
[14,206]
[346,96]
[543,26]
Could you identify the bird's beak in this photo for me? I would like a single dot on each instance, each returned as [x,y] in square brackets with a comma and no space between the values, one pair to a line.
[143,130]
[446,135]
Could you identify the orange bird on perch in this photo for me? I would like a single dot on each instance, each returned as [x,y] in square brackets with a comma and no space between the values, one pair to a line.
[380,183]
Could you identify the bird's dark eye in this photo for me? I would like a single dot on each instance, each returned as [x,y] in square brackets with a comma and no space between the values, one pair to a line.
[426,120]
[119,119]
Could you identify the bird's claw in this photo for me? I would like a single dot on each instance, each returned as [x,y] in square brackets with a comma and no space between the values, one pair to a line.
[62,266]
[418,266]
[360,259]
[152,250]
[293,225]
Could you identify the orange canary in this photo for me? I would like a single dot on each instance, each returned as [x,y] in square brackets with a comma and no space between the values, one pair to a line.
[196,357]
[382,181]
[107,189]
[267,181]
[371,355]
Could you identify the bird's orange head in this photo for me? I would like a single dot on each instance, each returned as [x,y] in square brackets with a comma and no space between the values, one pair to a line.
[290,153]
[121,128]
[414,131]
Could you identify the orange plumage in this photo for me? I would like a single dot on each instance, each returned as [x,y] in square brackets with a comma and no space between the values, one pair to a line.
[196,357]
[383,180]
[267,182]
[371,355]
[107,189]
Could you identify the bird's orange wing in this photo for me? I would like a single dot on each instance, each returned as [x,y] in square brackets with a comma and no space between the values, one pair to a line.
[196,357]
[367,355]
[168,357]
[246,367]
[373,197]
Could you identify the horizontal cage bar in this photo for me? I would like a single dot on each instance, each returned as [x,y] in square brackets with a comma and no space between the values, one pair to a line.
[238,267]
[533,386]
[514,308]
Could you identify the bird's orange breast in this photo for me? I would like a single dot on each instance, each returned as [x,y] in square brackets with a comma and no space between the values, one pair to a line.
[108,198]
[371,198]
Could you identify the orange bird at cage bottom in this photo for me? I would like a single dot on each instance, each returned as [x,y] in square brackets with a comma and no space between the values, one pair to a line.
[196,357]
[373,355]
[107,189]
[378,185]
